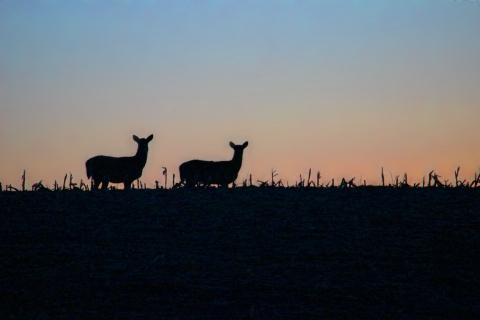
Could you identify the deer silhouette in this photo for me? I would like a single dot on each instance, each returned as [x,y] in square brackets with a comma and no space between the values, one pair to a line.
[106,169]
[221,173]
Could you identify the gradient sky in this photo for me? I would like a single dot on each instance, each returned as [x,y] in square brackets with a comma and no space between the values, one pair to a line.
[344,87]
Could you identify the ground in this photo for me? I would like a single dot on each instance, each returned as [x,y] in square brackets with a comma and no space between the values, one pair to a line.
[243,253]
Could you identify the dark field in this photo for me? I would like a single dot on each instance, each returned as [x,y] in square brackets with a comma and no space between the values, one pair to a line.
[260,253]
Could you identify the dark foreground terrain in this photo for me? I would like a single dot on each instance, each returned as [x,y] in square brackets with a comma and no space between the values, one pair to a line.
[260,253]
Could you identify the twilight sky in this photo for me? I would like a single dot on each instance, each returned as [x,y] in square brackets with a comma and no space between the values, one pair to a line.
[344,87]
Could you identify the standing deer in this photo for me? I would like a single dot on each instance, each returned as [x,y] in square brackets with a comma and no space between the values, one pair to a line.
[106,169]
[213,172]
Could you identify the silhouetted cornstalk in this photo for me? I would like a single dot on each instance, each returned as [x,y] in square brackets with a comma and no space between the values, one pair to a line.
[71,183]
[274,174]
[383,179]
[23,180]
[165,174]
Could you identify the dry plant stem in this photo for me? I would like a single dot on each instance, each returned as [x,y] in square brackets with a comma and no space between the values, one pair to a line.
[83,186]
[437,181]
[262,183]
[351,183]
[475,181]
[23,180]
[456,176]
[383,179]
[165,174]
[64,180]
[274,174]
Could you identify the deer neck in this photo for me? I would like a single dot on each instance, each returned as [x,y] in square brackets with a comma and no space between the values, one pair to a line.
[141,156]
[237,159]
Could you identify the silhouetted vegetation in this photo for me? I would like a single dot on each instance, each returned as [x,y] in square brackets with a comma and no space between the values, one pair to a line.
[433,181]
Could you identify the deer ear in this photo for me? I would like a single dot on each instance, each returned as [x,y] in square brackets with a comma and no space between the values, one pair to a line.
[150,137]
[232,144]
[135,138]
[245,144]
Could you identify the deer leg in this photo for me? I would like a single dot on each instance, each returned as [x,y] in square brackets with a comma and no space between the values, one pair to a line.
[190,182]
[96,183]
[127,185]
[206,182]
[105,182]
[222,184]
